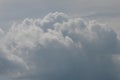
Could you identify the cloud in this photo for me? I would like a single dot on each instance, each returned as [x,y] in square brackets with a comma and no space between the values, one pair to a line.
[59,47]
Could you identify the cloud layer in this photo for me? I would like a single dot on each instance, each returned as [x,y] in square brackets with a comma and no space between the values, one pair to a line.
[59,47]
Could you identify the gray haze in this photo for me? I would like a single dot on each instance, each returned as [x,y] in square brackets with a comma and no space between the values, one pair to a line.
[106,11]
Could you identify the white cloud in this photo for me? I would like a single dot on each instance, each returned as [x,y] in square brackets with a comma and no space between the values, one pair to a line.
[59,47]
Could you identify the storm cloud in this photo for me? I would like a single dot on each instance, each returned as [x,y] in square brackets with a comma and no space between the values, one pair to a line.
[59,47]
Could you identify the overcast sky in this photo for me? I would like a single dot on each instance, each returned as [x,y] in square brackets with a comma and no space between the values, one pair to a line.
[19,9]
[66,24]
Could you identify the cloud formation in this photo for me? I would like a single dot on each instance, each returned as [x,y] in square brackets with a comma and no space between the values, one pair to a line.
[59,47]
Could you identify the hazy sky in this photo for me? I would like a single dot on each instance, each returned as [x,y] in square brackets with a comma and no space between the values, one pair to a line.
[37,46]
[19,9]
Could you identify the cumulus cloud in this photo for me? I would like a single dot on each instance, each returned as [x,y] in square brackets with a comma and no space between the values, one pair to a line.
[59,47]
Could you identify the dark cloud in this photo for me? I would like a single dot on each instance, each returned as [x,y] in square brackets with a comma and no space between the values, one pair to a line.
[59,47]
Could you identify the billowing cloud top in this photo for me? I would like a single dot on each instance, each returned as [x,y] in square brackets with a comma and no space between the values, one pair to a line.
[59,47]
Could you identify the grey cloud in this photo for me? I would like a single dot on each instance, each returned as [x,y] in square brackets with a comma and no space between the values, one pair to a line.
[57,47]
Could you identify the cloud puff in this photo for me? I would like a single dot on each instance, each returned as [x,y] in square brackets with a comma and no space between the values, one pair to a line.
[59,47]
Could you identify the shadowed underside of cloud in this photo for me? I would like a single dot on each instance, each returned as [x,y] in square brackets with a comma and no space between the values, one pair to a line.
[59,47]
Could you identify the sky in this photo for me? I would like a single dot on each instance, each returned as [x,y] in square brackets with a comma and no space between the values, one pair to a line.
[107,10]
[59,39]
